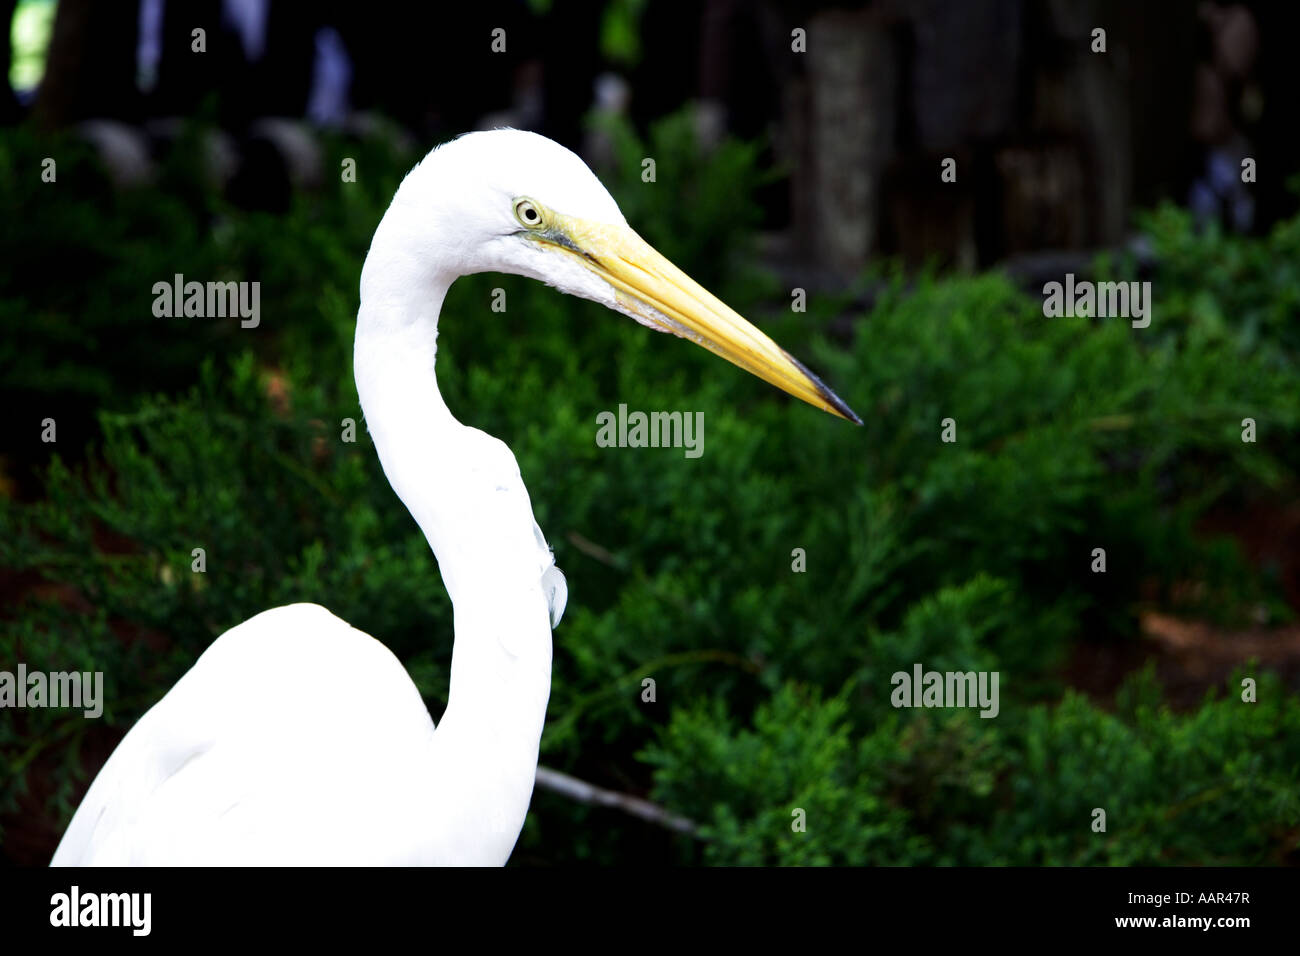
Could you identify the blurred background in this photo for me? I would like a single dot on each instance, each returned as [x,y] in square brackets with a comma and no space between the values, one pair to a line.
[796,146]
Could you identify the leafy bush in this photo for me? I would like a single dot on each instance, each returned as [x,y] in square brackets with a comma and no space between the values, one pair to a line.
[772,687]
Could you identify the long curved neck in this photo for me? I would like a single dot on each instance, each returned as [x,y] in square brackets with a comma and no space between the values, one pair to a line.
[484,753]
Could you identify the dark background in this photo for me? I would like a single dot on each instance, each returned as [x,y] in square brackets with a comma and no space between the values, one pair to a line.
[1057,145]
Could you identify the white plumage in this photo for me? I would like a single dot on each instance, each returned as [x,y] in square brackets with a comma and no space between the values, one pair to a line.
[297,739]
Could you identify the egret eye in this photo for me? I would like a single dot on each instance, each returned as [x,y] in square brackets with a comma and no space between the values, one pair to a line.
[528,214]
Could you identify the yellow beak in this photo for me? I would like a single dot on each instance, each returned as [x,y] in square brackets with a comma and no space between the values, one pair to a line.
[656,290]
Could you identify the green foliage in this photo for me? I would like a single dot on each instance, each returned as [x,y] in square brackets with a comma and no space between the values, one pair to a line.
[1211,788]
[1244,290]
[620,35]
[79,333]
[772,687]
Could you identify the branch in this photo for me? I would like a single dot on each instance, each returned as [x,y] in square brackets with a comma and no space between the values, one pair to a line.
[584,792]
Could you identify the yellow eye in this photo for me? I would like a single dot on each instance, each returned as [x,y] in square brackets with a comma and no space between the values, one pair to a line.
[529,216]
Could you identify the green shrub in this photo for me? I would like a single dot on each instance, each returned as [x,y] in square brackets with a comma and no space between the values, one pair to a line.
[772,687]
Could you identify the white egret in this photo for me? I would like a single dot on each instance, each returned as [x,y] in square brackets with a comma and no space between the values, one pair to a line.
[296,739]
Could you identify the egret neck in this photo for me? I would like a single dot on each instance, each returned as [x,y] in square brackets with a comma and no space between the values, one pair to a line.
[464,490]
[209,778]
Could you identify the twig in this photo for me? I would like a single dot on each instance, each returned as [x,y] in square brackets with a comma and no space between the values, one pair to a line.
[592,550]
[584,792]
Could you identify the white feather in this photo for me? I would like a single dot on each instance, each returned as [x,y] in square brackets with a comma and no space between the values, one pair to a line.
[297,739]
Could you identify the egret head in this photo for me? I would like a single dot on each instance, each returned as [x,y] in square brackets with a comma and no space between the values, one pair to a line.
[520,203]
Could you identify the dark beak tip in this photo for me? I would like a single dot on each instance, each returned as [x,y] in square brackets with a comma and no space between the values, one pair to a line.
[831,399]
[839,405]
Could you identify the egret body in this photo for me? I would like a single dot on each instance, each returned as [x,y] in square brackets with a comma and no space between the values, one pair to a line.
[297,739]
